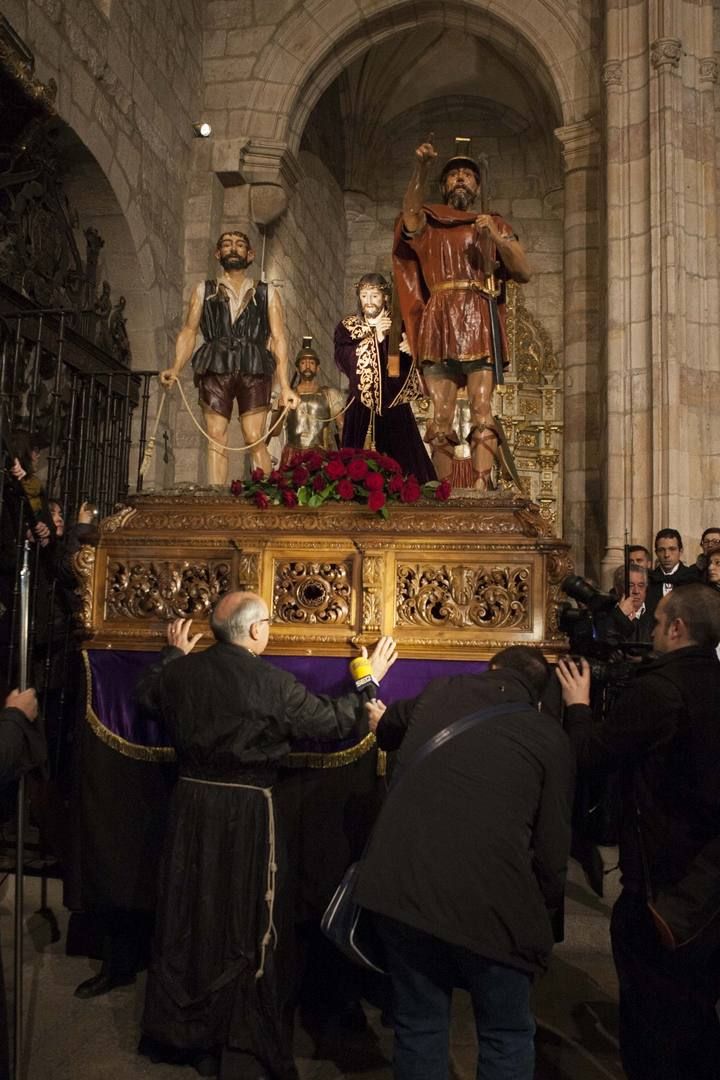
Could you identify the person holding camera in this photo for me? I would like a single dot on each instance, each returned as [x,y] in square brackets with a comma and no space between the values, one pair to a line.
[664,738]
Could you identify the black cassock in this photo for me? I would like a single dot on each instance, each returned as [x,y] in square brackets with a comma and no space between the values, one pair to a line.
[223,931]
[379,399]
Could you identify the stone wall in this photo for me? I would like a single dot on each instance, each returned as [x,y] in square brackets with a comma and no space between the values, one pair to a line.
[307,255]
[129,84]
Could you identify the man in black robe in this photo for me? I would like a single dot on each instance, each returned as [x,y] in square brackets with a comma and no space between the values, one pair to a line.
[215,987]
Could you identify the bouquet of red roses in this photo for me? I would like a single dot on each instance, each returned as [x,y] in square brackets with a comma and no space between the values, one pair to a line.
[316,477]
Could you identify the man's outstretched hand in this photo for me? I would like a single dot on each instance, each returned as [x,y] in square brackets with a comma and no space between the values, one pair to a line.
[178,635]
[382,657]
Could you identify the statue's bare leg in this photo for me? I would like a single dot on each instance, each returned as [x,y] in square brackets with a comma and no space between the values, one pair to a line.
[217,460]
[440,433]
[483,438]
[253,429]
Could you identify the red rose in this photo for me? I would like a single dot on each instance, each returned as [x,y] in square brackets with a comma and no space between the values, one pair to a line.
[237,487]
[374,481]
[389,464]
[372,455]
[256,475]
[289,498]
[318,482]
[410,492]
[442,491]
[346,454]
[274,476]
[345,489]
[376,500]
[300,476]
[334,469]
[358,469]
[314,461]
[261,499]
[395,483]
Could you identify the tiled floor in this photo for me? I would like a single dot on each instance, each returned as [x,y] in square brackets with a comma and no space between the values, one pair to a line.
[68,1039]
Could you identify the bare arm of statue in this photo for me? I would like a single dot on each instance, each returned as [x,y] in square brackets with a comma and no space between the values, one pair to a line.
[185,343]
[509,249]
[413,213]
[279,348]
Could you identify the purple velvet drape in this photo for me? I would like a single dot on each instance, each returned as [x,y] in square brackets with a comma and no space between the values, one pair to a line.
[115,673]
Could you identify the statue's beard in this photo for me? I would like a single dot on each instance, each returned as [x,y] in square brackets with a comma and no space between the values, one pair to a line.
[306,375]
[460,198]
[234,262]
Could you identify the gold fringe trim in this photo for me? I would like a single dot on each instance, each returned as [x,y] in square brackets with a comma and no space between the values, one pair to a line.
[332,760]
[116,742]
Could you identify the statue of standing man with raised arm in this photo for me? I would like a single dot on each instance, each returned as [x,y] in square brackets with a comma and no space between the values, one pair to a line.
[244,344]
[451,264]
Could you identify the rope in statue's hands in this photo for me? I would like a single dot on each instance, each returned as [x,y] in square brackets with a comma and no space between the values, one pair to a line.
[150,449]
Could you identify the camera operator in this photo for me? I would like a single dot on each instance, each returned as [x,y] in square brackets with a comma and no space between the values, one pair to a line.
[663,736]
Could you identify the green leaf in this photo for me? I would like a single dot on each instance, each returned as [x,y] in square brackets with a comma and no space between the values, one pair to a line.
[383,512]
[304,498]
[315,500]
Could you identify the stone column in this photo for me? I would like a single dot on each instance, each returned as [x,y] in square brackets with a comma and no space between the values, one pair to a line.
[629,335]
[583,501]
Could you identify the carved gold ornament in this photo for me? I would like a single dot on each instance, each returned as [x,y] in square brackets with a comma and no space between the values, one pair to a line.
[489,597]
[312,592]
[141,589]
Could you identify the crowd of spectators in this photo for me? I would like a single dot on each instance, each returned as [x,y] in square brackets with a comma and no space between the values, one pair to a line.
[223,980]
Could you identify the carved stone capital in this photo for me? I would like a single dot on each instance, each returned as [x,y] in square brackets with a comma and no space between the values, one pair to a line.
[666,52]
[580,145]
[709,70]
[613,75]
[273,171]
[270,168]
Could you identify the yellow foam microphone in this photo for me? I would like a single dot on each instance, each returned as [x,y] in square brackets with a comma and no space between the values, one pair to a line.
[362,673]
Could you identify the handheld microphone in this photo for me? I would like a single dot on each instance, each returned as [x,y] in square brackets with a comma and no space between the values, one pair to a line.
[362,673]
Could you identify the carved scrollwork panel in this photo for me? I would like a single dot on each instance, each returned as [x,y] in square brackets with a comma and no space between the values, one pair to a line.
[372,579]
[84,567]
[145,589]
[441,595]
[248,571]
[559,565]
[312,592]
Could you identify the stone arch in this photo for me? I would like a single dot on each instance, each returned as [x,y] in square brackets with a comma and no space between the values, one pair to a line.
[146,322]
[311,47]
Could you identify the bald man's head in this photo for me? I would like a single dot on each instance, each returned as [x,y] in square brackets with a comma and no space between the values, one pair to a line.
[235,614]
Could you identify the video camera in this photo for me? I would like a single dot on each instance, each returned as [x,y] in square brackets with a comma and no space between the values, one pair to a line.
[611,664]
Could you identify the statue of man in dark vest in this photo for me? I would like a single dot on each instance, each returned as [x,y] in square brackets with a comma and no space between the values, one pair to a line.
[244,346]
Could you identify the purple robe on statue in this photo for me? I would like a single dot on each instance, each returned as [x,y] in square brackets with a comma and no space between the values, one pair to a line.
[380,399]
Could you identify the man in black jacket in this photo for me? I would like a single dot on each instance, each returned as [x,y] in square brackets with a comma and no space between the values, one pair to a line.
[22,746]
[664,736]
[671,571]
[467,863]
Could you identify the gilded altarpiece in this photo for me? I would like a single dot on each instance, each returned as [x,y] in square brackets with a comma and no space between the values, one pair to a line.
[456,580]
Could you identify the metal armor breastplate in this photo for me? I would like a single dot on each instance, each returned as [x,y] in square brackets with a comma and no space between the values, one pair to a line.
[305,425]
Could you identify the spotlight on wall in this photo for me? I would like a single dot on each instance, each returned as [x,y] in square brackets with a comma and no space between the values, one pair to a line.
[202,130]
